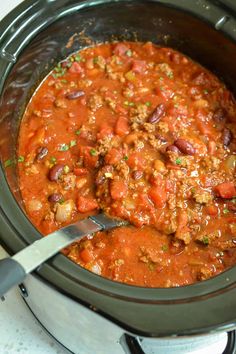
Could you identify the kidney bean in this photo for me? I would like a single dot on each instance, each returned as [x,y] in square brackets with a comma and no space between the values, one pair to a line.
[55,197]
[41,153]
[137,175]
[55,172]
[157,114]
[227,137]
[173,148]
[74,95]
[161,138]
[185,147]
[219,115]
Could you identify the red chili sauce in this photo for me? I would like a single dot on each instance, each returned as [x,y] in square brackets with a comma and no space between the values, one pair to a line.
[147,135]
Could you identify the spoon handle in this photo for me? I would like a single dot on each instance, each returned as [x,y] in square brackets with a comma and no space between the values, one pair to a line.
[14,270]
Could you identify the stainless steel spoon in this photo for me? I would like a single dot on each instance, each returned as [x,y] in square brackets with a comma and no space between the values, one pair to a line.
[14,269]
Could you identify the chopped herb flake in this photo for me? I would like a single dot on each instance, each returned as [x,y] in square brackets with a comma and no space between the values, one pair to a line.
[205,91]
[8,163]
[178,161]
[170,75]
[95,60]
[78,132]
[53,160]
[63,147]
[164,248]
[125,158]
[73,143]
[61,201]
[93,152]
[130,104]
[129,53]
[233,200]
[21,159]
[225,211]
[148,104]
[66,169]
[205,240]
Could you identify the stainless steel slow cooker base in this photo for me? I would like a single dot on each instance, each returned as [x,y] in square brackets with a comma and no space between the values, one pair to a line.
[82,331]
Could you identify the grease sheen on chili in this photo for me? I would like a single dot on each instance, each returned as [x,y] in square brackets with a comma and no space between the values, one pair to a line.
[145,134]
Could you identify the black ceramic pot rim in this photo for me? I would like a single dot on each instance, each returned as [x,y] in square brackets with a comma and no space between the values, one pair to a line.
[60,271]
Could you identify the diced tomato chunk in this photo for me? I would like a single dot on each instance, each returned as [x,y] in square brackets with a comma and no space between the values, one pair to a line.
[105,131]
[211,210]
[113,156]
[203,126]
[86,255]
[90,157]
[79,171]
[136,161]
[139,66]
[122,126]
[120,49]
[225,190]
[158,196]
[75,68]
[118,189]
[86,204]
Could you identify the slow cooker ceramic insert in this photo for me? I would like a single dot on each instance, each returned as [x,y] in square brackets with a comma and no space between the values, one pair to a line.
[87,313]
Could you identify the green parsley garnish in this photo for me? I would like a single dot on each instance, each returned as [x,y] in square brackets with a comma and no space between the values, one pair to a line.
[225,211]
[61,201]
[95,60]
[53,160]
[233,200]
[164,248]
[66,169]
[130,104]
[93,152]
[59,71]
[170,75]
[64,147]
[125,158]
[73,143]
[9,163]
[78,131]
[77,58]
[205,91]
[64,81]
[129,53]
[148,104]
[21,159]
[178,161]
[205,240]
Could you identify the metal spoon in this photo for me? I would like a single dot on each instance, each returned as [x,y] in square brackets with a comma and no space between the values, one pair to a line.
[14,269]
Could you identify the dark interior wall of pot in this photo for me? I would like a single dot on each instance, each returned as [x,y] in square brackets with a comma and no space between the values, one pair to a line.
[126,20]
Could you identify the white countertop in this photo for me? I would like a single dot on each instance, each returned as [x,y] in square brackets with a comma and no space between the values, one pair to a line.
[19,331]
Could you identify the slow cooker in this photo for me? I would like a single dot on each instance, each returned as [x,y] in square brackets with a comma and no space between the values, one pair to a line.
[87,313]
